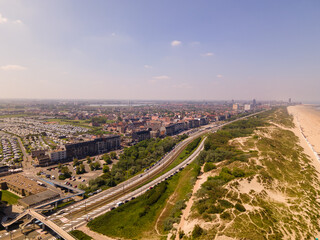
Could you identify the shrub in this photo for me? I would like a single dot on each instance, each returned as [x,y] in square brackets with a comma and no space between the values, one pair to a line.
[237,172]
[209,166]
[105,169]
[197,231]
[225,215]
[240,207]
[181,234]
[225,203]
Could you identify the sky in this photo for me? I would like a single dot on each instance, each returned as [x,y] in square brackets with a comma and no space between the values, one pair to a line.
[160,49]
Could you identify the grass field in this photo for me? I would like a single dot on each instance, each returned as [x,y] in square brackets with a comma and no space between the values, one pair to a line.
[9,197]
[137,219]
[80,235]
[182,193]
[134,221]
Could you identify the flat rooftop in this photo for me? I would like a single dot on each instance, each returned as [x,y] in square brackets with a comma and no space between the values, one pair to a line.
[21,181]
[39,198]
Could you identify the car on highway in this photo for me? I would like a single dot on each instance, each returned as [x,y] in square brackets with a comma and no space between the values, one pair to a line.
[119,204]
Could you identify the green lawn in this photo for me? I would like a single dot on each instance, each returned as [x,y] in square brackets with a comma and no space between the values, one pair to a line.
[9,197]
[80,235]
[136,219]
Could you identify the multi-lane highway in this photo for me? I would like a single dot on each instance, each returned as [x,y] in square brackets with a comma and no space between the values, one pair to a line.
[79,213]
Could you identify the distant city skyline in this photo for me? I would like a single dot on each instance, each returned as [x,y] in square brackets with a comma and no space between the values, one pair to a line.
[160,50]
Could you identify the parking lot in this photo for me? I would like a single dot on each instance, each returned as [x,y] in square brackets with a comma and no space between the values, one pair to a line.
[10,151]
[52,172]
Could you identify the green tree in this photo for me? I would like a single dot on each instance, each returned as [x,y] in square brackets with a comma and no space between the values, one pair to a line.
[105,169]
[76,162]
[95,166]
[65,173]
[113,155]
[106,158]
[80,169]
[209,166]
[197,231]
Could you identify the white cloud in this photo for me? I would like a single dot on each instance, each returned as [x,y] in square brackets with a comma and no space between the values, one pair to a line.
[182,86]
[113,34]
[12,68]
[148,66]
[175,43]
[162,77]
[17,22]
[208,54]
[3,19]
[219,76]
[157,79]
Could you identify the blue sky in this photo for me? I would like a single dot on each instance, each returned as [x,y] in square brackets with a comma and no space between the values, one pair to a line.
[201,50]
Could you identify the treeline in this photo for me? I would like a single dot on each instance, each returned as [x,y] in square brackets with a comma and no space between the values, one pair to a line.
[133,160]
[152,197]
[193,145]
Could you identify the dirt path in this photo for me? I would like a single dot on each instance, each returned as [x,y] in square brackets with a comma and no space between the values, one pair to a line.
[186,212]
[162,212]
[94,235]
[170,201]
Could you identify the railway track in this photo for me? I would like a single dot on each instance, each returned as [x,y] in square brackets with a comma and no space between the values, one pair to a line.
[131,187]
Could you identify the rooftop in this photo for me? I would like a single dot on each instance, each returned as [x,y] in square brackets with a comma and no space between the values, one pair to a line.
[21,181]
[39,197]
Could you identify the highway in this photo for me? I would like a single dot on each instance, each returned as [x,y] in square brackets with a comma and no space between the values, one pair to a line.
[78,211]
[137,192]
[99,204]
[78,214]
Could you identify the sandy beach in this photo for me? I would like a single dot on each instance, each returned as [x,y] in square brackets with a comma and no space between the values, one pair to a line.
[307,118]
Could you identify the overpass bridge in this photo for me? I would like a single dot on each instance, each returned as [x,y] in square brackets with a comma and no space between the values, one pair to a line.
[35,215]
[75,191]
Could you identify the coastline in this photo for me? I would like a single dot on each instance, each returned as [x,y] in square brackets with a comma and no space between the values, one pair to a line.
[307,128]
[307,119]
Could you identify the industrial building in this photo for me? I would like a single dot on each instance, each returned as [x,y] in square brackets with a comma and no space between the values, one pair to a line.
[20,184]
[38,198]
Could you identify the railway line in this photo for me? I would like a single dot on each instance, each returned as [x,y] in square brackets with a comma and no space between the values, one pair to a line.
[126,187]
